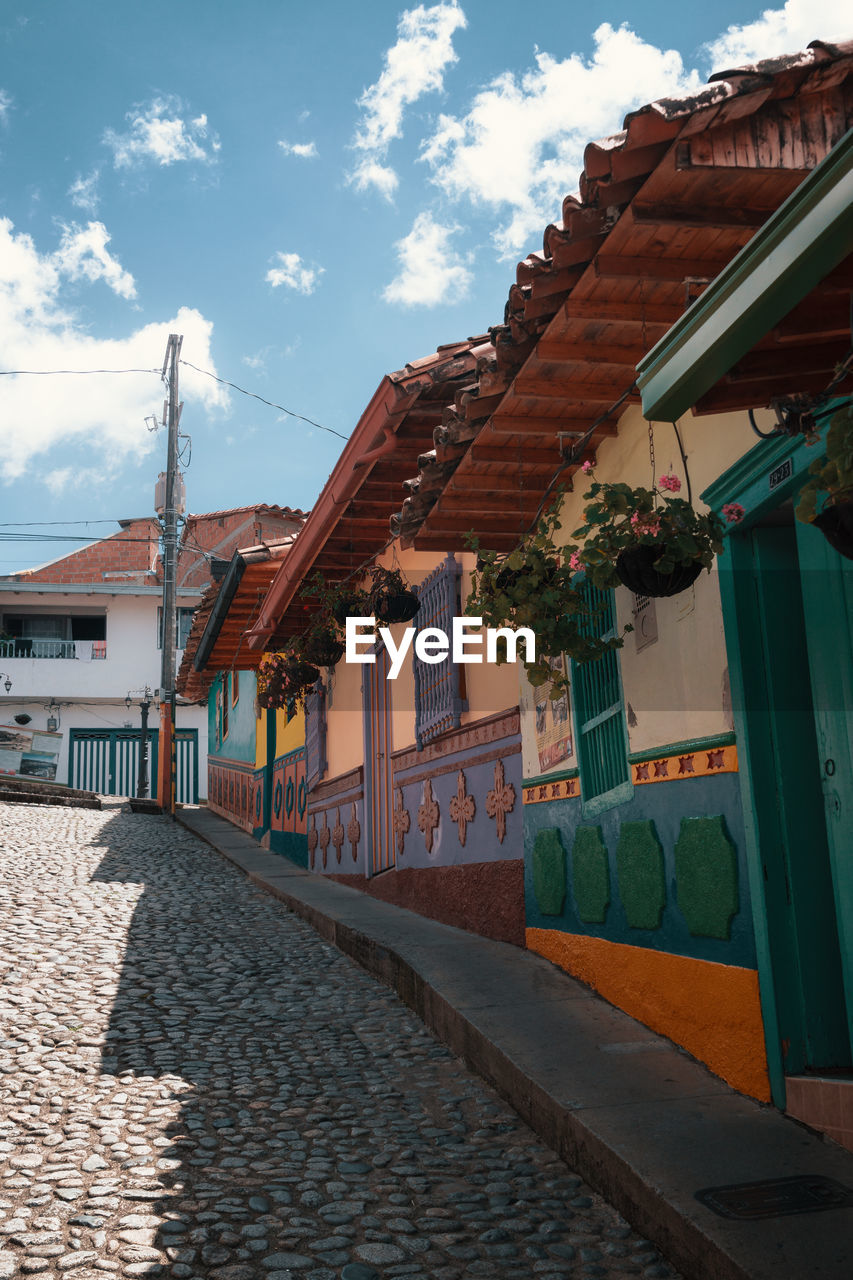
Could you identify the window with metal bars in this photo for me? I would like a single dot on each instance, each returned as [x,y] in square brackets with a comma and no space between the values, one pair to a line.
[599,712]
[439,694]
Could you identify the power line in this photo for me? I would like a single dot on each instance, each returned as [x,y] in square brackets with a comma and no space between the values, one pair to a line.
[271,403]
[50,373]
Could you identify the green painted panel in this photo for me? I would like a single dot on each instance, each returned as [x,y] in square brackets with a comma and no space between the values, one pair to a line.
[639,866]
[706,877]
[549,872]
[590,875]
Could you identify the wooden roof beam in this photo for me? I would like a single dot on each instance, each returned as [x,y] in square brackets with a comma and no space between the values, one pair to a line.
[575,391]
[521,425]
[613,265]
[718,218]
[634,310]
[566,350]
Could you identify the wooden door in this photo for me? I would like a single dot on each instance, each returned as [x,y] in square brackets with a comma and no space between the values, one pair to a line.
[378,781]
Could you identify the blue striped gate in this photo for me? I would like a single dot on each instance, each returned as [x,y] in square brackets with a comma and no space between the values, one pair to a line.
[107,761]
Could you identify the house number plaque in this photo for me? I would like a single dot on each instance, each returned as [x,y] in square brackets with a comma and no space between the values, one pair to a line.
[780,473]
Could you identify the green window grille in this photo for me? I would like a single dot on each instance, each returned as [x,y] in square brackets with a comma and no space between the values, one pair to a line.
[599,708]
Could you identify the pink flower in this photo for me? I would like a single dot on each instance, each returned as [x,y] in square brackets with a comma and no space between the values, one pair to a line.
[645,524]
[587,467]
[575,561]
[670,482]
[733,512]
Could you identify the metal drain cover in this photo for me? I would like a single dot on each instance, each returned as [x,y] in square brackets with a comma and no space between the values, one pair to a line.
[776,1197]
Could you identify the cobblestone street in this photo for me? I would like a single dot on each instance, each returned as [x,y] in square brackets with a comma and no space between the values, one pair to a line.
[194,1084]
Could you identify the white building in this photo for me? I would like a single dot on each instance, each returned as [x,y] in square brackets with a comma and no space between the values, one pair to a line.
[81,635]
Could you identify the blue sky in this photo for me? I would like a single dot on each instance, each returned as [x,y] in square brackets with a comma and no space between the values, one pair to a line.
[312,196]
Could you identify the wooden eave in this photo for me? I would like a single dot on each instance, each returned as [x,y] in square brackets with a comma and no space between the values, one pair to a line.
[343,533]
[704,175]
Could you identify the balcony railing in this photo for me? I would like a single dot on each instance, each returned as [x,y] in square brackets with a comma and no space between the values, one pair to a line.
[33,647]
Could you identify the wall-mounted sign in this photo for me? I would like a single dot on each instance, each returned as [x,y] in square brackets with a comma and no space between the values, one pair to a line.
[780,473]
[29,753]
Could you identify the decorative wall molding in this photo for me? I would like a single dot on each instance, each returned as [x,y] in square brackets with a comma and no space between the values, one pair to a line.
[333,787]
[699,763]
[428,816]
[354,831]
[563,789]
[402,822]
[462,807]
[503,724]
[500,800]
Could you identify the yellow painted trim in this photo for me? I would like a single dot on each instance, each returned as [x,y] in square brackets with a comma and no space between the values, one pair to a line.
[564,789]
[689,764]
[711,1010]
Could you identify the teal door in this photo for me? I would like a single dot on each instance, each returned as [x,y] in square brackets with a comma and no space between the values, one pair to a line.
[827,586]
[107,761]
[781,624]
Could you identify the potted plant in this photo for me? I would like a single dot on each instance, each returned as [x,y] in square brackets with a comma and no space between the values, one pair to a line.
[833,477]
[320,645]
[337,600]
[537,586]
[284,678]
[390,598]
[652,541]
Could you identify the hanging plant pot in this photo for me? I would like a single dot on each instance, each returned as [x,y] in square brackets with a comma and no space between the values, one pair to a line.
[836,525]
[354,605]
[324,650]
[636,569]
[396,606]
[301,674]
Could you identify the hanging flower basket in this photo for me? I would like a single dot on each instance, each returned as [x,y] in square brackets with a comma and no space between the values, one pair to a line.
[283,679]
[649,539]
[353,604]
[836,524]
[321,649]
[390,598]
[636,569]
[396,606]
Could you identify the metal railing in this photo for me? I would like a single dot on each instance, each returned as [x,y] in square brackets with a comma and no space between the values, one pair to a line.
[33,647]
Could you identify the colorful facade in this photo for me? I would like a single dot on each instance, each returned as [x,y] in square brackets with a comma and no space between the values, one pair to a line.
[687,806]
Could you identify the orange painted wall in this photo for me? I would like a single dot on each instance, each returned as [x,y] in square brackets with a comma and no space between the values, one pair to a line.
[711,1010]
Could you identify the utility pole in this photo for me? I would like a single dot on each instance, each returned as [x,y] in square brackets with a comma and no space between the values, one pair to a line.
[166,761]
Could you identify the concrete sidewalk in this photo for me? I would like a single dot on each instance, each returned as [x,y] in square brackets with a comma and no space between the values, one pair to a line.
[641,1121]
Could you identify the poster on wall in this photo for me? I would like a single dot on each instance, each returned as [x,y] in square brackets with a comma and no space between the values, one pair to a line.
[553,722]
[29,753]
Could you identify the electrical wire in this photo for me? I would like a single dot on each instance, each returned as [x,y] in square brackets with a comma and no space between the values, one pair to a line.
[50,373]
[225,383]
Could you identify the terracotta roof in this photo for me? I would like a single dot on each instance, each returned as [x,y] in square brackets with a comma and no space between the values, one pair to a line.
[228,606]
[662,207]
[262,508]
[349,521]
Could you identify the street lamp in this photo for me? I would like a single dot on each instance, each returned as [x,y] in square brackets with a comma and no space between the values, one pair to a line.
[142,776]
[7,681]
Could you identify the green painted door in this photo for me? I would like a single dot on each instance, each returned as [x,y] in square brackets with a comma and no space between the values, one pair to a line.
[827,586]
[777,725]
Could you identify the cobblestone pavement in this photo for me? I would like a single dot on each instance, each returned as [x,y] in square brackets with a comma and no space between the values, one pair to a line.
[194,1084]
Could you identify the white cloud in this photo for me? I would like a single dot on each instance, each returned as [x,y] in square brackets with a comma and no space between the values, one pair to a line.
[304,150]
[100,415]
[158,134]
[521,142]
[294,273]
[83,255]
[370,173]
[83,192]
[61,479]
[777,31]
[5,106]
[431,269]
[413,66]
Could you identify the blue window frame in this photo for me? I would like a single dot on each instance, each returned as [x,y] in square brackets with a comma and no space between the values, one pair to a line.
[439,697]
